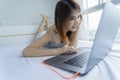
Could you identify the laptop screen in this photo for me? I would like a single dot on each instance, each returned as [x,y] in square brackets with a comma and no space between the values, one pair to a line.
[105,35]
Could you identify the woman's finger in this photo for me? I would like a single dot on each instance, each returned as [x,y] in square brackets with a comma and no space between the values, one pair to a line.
[73,49]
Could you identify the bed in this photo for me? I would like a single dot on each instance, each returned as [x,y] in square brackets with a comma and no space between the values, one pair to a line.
[13,39]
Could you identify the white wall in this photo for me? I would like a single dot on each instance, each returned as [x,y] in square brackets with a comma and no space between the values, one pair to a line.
[24,12]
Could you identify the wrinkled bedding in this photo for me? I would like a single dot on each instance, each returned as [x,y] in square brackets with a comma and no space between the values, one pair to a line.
[15,67]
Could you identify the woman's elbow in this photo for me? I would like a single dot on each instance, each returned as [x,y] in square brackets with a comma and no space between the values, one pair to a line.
[25,52]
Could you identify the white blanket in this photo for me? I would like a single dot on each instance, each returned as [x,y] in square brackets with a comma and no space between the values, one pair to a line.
[15,67]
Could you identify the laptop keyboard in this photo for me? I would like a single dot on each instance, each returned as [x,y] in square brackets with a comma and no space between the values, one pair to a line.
[79,60]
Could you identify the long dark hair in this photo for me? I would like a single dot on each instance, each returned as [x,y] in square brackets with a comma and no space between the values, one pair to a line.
[62,12]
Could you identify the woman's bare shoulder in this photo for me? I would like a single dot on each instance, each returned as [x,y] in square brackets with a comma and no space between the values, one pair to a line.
[51,30]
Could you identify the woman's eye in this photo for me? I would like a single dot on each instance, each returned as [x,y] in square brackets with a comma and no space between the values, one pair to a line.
[78,17]
[71,18]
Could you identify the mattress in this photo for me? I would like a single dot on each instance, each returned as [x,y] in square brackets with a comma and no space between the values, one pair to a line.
[15,67]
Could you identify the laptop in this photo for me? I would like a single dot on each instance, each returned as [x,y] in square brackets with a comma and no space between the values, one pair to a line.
[86,59]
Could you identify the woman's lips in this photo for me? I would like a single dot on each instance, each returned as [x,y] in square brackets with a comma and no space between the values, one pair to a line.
[74,26]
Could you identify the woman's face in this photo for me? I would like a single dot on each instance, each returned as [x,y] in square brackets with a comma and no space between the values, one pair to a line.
[73,21]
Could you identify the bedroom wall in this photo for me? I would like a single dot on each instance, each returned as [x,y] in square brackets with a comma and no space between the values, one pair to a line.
[18,19]
[25,12]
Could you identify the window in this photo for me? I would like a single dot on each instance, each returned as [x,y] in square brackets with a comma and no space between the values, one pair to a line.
[92,15]
[92,3]
[93,22]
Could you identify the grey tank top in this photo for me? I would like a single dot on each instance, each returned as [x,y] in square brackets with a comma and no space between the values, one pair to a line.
[50,44]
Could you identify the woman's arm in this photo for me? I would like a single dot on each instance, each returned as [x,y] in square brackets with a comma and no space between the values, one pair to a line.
[36,52]
[36,48]
[74,40]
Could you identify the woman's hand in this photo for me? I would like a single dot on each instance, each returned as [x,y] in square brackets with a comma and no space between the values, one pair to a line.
[68,49]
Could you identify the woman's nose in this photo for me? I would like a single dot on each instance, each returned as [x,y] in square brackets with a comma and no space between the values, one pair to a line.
[76,21]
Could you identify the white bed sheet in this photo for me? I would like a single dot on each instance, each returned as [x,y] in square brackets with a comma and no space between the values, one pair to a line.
[15,67]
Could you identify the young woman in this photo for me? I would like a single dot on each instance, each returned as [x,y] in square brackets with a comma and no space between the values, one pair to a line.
[59,38]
